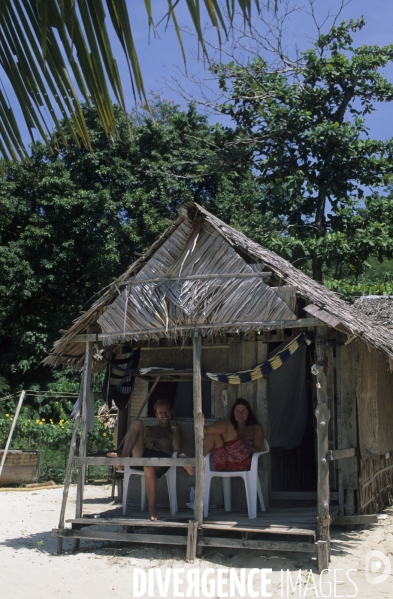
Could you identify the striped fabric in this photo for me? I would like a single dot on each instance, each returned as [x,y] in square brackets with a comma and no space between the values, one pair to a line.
[120,377]
[266,367]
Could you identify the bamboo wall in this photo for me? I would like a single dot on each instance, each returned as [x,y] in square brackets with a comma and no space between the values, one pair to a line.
[375,483]
[374,390]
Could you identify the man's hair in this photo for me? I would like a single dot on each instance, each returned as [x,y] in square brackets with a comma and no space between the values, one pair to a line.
[160,402]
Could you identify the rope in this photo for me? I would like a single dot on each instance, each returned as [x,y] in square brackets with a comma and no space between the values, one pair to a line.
[40,393]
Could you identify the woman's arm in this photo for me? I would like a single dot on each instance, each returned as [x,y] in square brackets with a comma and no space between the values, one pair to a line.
[257,440]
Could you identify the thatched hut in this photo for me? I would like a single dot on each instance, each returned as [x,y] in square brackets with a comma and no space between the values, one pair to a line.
[378,308]
[208,302]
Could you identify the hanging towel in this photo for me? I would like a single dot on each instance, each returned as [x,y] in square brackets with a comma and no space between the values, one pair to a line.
[119,380]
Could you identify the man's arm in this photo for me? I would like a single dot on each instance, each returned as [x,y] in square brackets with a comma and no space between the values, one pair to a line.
[177,439]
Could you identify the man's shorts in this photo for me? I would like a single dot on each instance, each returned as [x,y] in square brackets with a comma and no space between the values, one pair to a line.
[154,453]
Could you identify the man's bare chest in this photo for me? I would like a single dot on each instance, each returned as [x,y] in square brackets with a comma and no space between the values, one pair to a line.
[153,433]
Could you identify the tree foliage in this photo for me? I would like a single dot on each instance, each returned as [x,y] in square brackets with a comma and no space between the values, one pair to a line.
[303,126]
[70,222]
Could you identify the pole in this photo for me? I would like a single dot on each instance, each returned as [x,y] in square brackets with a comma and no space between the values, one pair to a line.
[322,414]
[83,441]
[67,480]
[18,407]
[198,428]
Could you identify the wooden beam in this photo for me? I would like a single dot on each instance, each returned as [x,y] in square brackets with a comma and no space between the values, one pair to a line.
[339,421]
[233,275]
[346,370]
[104,535]
[327,318]
[299,495]
[183,347]
[263,417]
[341,454]
[104,461]
[271,529]
[322,415]
[192,537]
[198,428]
[86,381]
[67,479]
[258,325]
[127,522]
[356,519]
[18,407]
[266,545]
[154,385]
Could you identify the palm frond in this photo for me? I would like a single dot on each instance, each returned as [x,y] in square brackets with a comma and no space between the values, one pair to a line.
[56,53]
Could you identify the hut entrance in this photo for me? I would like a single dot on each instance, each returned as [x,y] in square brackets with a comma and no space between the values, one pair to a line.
[292,436]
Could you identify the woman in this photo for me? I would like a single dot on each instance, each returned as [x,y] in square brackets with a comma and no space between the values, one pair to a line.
[233,441]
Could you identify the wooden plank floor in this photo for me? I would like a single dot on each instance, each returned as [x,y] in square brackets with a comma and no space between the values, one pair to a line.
[279,519]
[285,526]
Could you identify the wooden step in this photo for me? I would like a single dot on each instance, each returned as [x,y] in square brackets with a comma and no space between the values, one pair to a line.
[104,535]
[277,530]
[127,522]
[291,546]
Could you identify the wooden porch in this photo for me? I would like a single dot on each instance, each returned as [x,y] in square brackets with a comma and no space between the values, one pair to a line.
[284,527]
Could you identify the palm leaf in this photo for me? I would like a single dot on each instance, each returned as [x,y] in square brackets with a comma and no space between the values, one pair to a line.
[57,53]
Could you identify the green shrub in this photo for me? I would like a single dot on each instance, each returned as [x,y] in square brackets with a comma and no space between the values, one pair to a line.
[53,440]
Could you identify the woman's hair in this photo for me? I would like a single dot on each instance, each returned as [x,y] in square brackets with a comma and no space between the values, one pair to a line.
[250,419]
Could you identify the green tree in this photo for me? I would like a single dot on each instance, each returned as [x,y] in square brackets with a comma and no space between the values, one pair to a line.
[303,127]
[70,222]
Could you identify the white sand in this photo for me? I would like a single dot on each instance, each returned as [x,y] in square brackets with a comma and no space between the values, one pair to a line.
[30,568]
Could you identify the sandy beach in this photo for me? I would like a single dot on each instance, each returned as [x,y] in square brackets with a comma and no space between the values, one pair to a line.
[31,569]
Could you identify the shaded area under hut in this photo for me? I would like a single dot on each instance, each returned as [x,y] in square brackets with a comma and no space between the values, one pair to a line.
[211,315]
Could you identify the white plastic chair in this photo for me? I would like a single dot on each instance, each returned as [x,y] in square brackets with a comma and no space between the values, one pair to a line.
[171,480]
[251,483]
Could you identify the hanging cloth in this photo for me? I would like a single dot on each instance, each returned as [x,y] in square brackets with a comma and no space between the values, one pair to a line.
[245,376]
[119,380]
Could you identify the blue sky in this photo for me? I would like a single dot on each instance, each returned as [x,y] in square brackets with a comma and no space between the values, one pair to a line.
[161,59]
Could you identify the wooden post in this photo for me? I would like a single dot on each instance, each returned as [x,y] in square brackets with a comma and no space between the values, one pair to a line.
[339,462]
[192,534]
[332,399]
[123,436]
[83,442]
[322,414]
[235,355]
[18,407]
[67,479]
[346,369]
[262,413]
[198,428]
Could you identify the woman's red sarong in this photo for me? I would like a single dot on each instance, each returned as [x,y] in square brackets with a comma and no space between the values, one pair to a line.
[232,456]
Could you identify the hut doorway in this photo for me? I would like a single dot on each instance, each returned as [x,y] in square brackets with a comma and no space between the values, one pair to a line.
[292,436]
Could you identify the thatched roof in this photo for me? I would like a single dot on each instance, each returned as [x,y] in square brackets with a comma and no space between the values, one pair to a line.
[203,273]
[379,308]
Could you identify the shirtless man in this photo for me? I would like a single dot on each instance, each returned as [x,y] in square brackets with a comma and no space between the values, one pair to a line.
[152,442]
